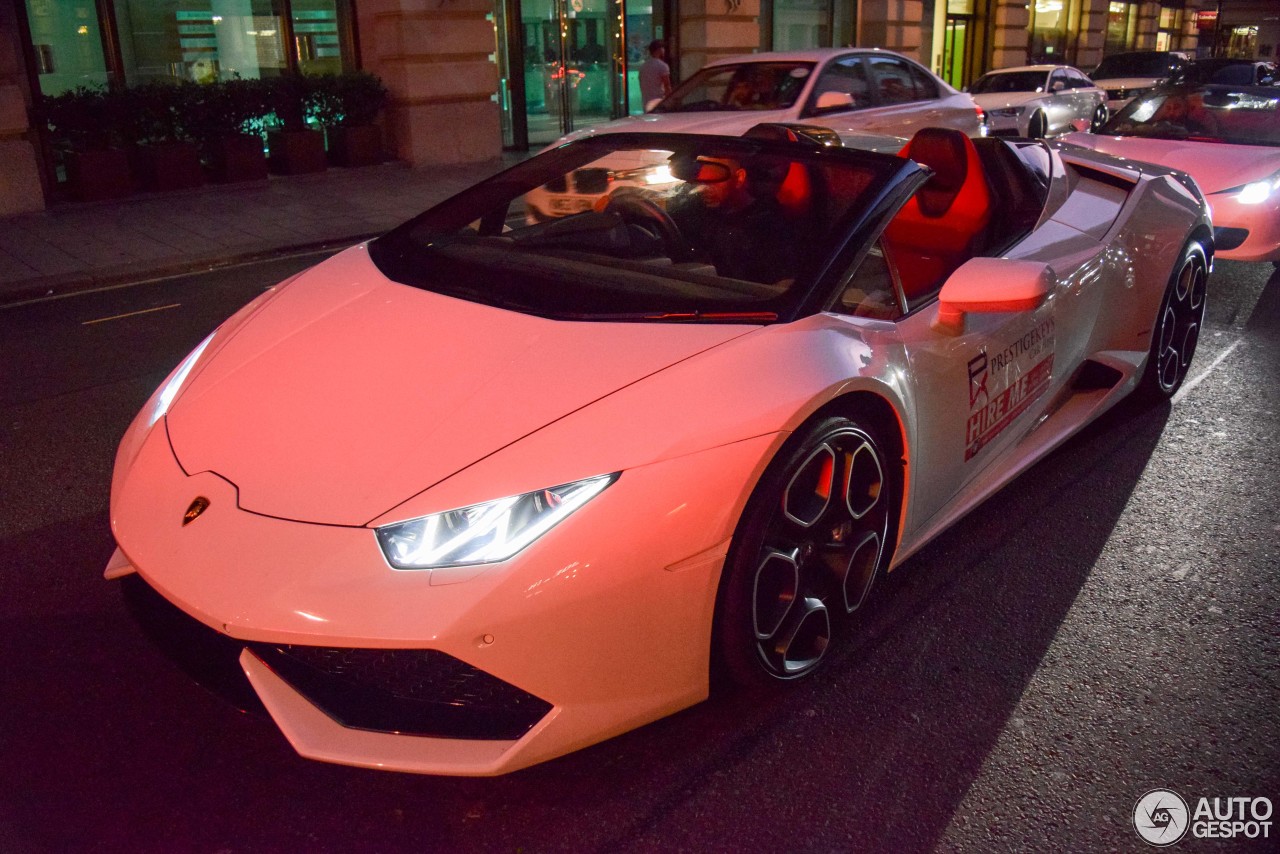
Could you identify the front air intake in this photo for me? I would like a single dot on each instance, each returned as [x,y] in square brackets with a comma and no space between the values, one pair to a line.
[405,691]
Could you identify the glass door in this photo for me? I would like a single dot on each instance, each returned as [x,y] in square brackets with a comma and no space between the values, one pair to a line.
[953,45]
[562,66]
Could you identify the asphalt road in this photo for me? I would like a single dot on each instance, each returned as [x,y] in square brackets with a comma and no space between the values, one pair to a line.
[1104,626]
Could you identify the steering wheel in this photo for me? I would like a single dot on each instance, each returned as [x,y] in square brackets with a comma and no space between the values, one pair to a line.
[648,214]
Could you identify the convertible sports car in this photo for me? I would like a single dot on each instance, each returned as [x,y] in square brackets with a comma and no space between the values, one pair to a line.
[481,492]
[1225,137]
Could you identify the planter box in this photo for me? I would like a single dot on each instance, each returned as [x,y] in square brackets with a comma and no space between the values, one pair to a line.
[94,175]
[167,166]
[358,145]
[297,152]
[237,158]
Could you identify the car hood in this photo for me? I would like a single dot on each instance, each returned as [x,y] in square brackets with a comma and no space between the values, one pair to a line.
[997,100]
[348,393]
[1110,83]
[727,122]
[1215,166]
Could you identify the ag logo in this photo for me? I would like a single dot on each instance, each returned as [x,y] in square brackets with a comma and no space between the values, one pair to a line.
[1161,817]
[194,510]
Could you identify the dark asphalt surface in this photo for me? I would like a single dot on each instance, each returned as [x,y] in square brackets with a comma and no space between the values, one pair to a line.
[1106,625]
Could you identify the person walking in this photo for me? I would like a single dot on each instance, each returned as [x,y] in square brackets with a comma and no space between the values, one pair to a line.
[655,74]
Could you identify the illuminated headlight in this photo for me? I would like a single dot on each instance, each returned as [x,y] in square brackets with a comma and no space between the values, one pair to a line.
[1007,112]
[169,391]
[660,175]
[485,533]
[1257,192]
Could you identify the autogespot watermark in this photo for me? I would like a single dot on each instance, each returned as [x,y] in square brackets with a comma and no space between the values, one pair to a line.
[1162,817]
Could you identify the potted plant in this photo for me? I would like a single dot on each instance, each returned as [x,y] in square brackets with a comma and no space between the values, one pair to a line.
[158,123]
[294,148]
[85,136]
[222,118]
[347,105]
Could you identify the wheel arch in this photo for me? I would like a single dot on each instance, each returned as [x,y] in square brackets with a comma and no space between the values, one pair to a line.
[885,418]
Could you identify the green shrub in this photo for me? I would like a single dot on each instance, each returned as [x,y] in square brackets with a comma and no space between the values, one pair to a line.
[84,119]
[348,99]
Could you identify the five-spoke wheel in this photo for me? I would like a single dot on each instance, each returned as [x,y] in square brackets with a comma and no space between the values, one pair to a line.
[813,538]
[1177,326]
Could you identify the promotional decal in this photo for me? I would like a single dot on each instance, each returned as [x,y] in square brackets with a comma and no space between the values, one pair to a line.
[1004,383]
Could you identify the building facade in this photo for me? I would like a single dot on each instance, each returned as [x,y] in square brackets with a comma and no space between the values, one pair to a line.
[469,78]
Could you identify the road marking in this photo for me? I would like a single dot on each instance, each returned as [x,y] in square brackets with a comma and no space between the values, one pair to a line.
[130,314]
[1190,384]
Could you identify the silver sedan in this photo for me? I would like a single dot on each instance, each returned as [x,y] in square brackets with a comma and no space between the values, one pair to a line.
[1039,101]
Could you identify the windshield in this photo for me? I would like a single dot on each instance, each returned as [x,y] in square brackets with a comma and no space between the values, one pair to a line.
[745,86]
[1016,81]
[1137,65]
[1236,115]
[644,227]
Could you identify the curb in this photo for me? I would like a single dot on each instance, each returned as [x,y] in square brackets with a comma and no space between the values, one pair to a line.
[44,288]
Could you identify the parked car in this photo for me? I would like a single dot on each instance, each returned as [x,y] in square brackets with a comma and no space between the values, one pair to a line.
[1231,72]
[849,90]
[1225,137]
[1126,75]
[1038,100]
[479,493]
[583,189]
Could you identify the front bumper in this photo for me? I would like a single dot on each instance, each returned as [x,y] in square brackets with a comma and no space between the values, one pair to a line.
[1245,232]
[586,633]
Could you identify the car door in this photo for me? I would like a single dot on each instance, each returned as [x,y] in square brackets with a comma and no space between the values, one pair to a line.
[1087,96]
[900,98]
[973,395]
[1061,103]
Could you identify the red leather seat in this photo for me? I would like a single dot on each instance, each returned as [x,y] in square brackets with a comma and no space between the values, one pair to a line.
[943,224]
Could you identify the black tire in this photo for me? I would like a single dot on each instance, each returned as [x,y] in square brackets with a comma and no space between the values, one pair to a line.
[1100,117]
[1038,126]
[1177,325]
[801,562]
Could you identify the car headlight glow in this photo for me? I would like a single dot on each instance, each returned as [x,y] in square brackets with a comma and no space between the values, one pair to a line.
[1257,192]
[169,391]
[485,533]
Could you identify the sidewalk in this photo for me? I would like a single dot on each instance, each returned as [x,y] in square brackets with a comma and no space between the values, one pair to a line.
[74,247]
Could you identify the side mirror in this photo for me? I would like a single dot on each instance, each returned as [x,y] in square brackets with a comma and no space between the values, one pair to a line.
[996,285]
[835,101]
[1081,125]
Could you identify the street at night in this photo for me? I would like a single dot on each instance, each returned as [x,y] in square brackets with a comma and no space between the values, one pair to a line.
[1104,626]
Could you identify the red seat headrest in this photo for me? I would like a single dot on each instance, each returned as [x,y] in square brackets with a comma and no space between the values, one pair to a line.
[949,154]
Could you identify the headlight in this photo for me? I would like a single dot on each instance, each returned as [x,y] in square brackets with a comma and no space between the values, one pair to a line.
[1007,112]
[1257,192]
[485,533]
[169,391]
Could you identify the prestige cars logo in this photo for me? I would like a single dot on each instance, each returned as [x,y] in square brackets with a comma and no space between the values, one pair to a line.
[1160,817]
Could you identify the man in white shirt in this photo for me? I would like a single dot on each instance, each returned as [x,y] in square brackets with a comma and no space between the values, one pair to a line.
[655,74]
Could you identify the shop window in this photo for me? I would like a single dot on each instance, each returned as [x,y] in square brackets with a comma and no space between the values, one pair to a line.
[317,36]
[1048,31]
[67,42]
[801,24]
[1122,21]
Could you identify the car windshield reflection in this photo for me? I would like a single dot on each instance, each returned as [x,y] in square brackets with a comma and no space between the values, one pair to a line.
[744,86]
[644,227]
[1234,115]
